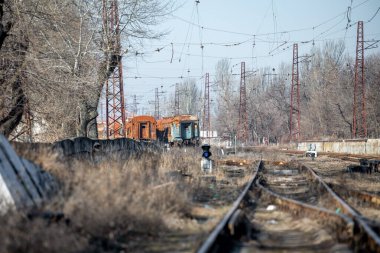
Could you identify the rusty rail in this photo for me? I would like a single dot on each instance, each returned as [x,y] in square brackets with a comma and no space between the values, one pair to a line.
[209,243]
[365,232]
[369,198]
[299,208]
[345,228]
[352,225]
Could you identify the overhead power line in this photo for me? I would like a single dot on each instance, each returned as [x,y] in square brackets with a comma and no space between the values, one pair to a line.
[164,77]
[369,20]
[344,13]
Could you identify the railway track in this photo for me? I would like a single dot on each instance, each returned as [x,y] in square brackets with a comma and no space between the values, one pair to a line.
[342,156]
[287,208]
[366,205]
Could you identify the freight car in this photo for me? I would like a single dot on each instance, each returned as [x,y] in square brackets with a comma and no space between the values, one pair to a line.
[178,130]
[142,127]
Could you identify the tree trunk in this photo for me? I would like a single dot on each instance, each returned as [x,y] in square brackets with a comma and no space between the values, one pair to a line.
[4,28]
[88,111]
[13,118]
[86,121]
[10,121]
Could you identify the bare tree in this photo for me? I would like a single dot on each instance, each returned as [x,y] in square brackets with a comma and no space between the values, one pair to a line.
[57,55]
[190,98]
[227,100]
[373,94]
[136,20]
[326,95]
[13,47]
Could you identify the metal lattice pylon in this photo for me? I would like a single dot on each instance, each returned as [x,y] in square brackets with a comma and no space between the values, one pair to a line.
[115,109]
[243,116]
[206,113]
[359,124]
[295,94]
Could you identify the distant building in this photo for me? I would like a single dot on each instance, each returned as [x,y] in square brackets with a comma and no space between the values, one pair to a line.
[209,134]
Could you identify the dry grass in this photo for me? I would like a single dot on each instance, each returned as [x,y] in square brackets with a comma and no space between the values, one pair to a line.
[106,204]
[334,170]
[124,205]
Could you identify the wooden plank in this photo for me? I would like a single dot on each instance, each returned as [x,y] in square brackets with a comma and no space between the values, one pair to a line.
[24,176]
[6,200]
[11,181]
[46,184]
[34,172]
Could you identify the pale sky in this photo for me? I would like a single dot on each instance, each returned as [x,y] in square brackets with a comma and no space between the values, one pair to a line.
[261,33]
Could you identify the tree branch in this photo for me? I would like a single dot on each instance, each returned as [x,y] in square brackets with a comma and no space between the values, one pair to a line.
[344,117]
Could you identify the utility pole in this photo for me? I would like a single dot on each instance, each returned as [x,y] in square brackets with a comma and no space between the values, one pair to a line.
[156,102]
[359,124]
[206,113]
[176,102]
[295,95]
[243,117]
[134,105]
[156,105]
[115,109]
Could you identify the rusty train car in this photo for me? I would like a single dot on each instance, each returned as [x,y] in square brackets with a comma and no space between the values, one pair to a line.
[142,127]
[179,130]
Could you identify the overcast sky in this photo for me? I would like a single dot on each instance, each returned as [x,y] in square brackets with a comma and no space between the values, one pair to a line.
[259,32]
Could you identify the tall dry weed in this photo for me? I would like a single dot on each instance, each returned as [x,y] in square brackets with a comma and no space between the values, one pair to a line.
[106,202]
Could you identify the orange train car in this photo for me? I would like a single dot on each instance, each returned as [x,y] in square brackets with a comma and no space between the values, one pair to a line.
[142,127]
